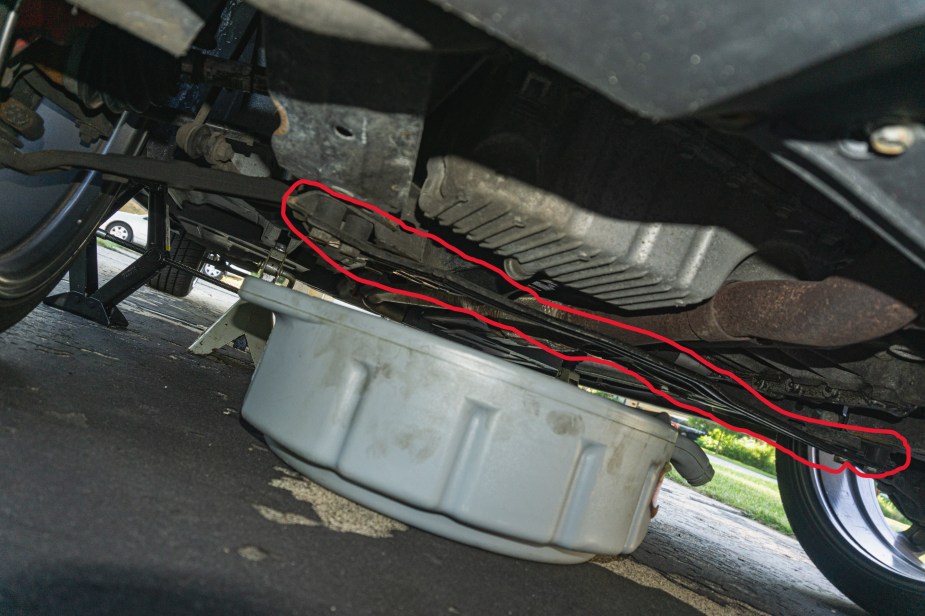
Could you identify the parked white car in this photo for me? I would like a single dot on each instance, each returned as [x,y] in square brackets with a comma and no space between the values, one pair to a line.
[129,227]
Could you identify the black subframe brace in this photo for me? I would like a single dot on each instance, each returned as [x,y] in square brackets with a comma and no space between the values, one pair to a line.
[87,299]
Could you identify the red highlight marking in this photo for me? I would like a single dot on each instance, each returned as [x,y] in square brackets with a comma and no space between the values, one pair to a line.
[594,317]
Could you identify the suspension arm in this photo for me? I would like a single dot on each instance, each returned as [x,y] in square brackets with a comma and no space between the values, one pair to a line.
[173,173]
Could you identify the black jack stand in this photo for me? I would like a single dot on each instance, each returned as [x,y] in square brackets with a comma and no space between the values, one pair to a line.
[87,299]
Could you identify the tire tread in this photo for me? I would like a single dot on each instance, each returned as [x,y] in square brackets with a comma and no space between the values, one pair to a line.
[174,281]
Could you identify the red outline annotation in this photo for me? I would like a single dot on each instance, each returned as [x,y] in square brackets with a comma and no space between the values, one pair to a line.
[586,358]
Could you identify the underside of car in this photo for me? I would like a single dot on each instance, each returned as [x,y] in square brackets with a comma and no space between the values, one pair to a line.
[744,178]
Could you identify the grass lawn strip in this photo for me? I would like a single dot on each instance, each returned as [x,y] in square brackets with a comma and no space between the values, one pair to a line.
[742,464]
[756,498]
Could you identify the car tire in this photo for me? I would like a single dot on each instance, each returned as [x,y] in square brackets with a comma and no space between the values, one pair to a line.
[44,279]
[213,269]
[120,230]
[174,281]
[824,511]
[47,220]
[13,311]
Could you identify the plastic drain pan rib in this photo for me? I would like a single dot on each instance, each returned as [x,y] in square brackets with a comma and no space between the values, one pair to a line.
[449,439]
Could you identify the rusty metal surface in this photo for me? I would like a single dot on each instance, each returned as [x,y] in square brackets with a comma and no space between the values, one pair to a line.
[349,118]
[829,313]
[834,312]
[22,119]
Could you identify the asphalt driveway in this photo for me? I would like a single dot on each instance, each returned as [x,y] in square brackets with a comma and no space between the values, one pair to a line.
[130,484]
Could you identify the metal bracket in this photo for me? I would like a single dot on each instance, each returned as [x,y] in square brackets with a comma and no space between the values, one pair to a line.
[272,267]
[87,299]
[569,375]
[242,319]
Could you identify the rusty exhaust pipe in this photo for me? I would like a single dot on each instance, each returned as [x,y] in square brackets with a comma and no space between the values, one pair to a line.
[829,313]
[834,312]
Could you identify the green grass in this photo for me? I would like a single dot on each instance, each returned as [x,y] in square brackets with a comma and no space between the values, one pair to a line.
[894,518]
[754,469]
[759,499]
[756,497]
[897,527]
[108,244]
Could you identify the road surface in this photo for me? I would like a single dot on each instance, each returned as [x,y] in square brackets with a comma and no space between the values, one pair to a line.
[131,485]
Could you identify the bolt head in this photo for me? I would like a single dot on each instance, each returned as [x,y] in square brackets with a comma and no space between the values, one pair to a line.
[222,151]
[892,140]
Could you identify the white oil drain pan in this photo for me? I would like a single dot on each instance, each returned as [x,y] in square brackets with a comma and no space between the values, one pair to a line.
[449,439]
